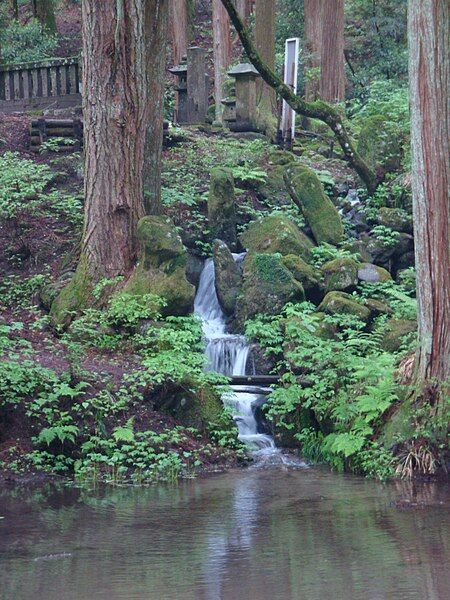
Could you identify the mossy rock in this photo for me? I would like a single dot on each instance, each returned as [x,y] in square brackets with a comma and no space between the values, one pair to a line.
[340,274]
[340,303]
[373,273]
[394,333]
[159,240]
[322,216]
[74,297]
[222,206]
[377,307]
[267,286]
[396,219]
[162,268]
[276,234]
[198,408]
[172,285]
[308,276]
[50,292]
[228,277]
[380,144]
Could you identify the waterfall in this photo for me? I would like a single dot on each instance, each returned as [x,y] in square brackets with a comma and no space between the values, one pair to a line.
[228,354]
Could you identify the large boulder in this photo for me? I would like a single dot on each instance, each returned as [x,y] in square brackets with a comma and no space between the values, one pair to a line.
[340,274]
[380,144]
[162,268]
[340,303]
[222,206]
[396,219]
[228,277]
[322,216]
[267,286]
[308,276]
[276,234]
[394,333]
[373,273]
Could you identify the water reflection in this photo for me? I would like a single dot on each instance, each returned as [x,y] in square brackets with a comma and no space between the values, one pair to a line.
[257,534]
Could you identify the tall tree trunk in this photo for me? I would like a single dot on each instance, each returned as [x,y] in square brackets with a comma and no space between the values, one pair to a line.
[332,60]
[313,43]
[115,119]
[179,20]
[156,25]
[15,9]
[265,45]
[222,52]
[44,11]
[429,75]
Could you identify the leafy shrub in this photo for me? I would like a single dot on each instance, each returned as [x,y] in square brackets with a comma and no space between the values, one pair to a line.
[26,42]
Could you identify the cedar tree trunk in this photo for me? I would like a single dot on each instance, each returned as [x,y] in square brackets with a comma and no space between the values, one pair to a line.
[222,52]
[332,60]
[265,45]
[156,25]
[178,29]
[115,119]
[429,74]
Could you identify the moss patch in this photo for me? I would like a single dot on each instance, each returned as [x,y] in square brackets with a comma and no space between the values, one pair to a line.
[73,298]
[340,274]
[342,303]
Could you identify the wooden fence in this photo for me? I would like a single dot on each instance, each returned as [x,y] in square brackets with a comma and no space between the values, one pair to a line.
[54,83]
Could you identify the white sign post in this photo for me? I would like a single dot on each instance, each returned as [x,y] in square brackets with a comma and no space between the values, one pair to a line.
[290,78]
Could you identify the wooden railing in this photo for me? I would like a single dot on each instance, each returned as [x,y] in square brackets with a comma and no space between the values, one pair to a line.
[35,85]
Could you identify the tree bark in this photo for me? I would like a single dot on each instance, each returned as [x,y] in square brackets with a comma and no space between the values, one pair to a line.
[178,29]
[313,44]
[315,110]
[222,52]
[115,119]
[429,75]
[156,25]
[332,60]
[44,11]
[244,9]
[265,45]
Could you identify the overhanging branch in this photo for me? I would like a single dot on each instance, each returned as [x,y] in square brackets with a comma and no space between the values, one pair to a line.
[315,110]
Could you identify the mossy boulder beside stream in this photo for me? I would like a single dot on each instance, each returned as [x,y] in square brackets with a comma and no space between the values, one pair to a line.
[162,268]
[267,286]
[276,234]
[222,206]
[228,277]
[322,216]
[344,304]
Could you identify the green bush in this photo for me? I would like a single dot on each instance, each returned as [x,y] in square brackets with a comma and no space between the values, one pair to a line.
[26,43]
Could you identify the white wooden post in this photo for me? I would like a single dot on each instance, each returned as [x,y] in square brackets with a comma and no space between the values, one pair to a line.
[290,78]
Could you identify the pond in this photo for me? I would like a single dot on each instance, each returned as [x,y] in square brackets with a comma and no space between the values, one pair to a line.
[260,533]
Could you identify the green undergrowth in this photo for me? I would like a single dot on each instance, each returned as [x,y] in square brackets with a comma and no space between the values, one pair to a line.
[338,385]
[79,423]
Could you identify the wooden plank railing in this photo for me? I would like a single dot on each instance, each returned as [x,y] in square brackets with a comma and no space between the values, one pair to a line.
[27,86]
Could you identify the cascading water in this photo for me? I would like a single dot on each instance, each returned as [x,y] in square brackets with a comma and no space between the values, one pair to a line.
[228,354]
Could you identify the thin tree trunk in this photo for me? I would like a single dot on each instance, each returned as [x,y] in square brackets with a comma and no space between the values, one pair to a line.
[222,52]
[265,45]
[44,11]
[332,60]
[313,43]
[179,21]
[115,118]
[429,75]
[315,110]
[15,9]
[157,17]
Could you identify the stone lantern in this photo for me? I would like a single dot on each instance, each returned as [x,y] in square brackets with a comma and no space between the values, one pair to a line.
[245,76]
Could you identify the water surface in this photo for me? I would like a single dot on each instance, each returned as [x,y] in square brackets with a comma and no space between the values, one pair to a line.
[254,534]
